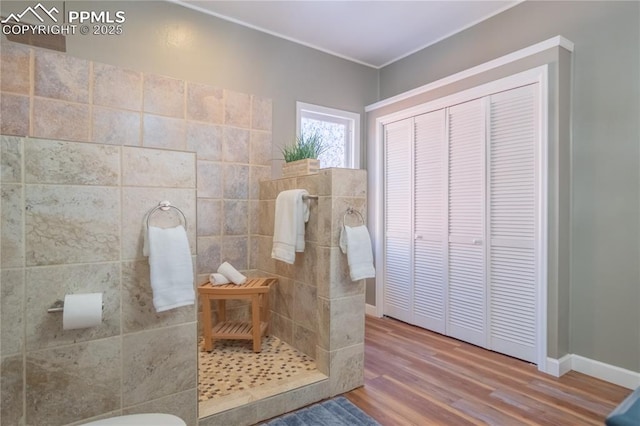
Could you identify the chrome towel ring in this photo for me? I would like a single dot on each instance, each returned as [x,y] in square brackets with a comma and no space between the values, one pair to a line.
[164,206]
[352,211]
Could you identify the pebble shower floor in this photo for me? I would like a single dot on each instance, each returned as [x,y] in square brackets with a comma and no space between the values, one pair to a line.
[233,366]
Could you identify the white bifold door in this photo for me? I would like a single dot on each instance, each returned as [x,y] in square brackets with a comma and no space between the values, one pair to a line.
[461,226]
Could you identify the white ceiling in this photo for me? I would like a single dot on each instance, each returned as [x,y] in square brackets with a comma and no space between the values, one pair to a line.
[373,33]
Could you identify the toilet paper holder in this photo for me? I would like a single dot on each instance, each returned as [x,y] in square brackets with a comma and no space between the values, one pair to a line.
[58,306]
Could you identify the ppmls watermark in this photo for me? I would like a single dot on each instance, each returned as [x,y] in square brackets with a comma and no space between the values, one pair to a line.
[68,22]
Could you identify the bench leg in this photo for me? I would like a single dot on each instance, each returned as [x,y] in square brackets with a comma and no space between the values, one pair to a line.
[255,319]
[266,313]
[222,310]
[207,324]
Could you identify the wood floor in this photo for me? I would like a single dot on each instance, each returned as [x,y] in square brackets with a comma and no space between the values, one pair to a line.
[416,377]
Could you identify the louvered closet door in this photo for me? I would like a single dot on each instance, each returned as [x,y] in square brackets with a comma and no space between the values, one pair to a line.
[398,229]
[430,221]
[466,261]
[513,138]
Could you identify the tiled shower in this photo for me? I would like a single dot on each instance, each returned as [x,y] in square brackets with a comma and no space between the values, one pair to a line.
[87,149]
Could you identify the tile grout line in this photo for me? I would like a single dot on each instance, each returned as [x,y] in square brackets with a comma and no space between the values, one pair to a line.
[24,230]
[23,305]
[32,83]
[121,260]
[90,136]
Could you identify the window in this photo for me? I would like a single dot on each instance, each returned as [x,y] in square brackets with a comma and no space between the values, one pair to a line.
[340,131]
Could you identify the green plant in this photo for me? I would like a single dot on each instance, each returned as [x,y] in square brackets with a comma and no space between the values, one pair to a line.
[310,146]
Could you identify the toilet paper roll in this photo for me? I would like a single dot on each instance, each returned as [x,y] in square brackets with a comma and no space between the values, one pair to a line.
[82,311]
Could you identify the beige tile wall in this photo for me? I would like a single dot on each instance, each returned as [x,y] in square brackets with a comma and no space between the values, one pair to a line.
[316,306]
[86,150]
[74,215]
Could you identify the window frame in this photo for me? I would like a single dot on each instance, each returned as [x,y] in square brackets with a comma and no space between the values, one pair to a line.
[351,119]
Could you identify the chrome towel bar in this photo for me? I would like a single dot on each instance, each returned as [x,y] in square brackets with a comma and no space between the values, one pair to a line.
[352,211]
[164,206]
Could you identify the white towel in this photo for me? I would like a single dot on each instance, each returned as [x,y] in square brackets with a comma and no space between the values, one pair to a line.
[231,273]
[218,279]
[355,242]
[292,211]
[171,269]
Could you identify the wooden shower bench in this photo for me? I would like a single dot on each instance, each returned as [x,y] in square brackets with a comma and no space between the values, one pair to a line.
[254,289]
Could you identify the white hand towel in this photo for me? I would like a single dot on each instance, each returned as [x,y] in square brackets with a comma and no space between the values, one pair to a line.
[355,242]
[171,269]
[292,212]
[218,279]
[231,273]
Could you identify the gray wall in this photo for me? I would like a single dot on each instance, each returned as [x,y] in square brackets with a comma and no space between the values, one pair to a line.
[168,39]
[604,318]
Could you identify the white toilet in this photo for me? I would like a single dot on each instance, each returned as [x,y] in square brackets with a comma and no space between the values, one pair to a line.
[149,419]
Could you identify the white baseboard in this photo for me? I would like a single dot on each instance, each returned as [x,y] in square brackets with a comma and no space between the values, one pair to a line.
[610,373]
[558,367]
[600,370]
[371,310]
